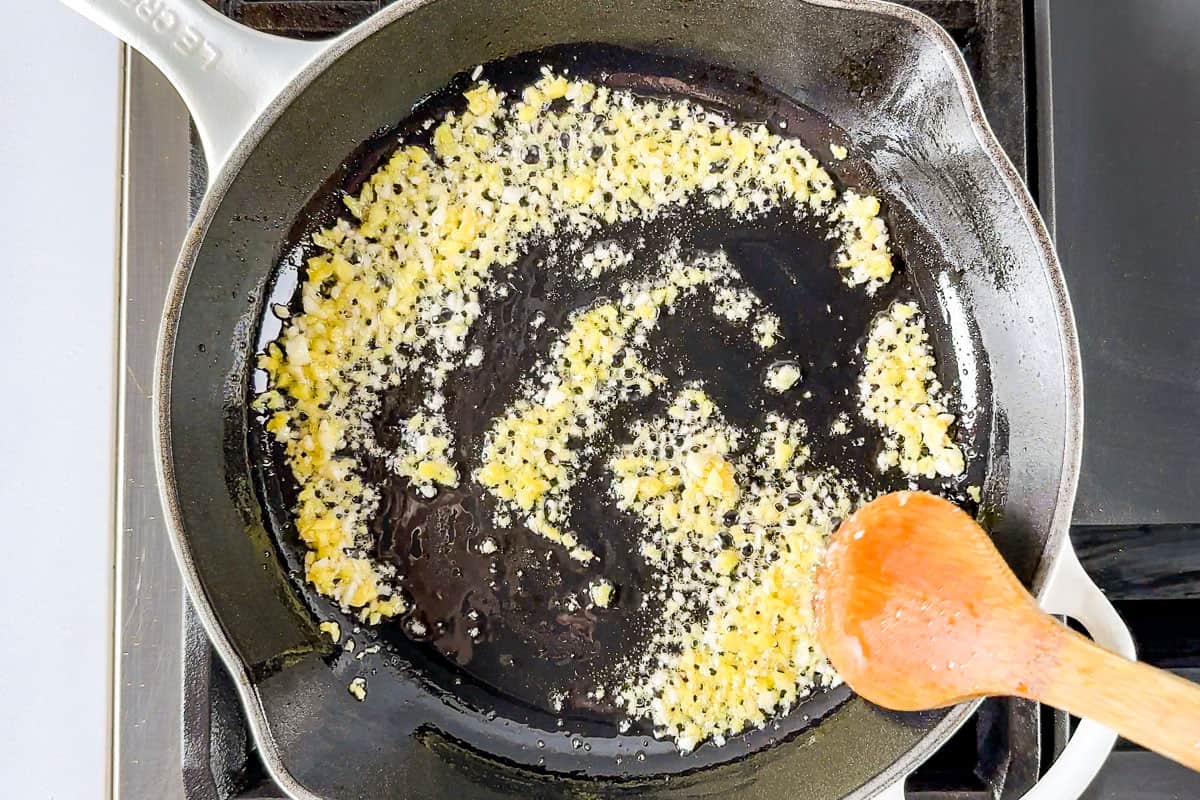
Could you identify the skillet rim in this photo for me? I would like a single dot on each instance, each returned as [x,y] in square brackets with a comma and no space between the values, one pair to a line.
[1056,541]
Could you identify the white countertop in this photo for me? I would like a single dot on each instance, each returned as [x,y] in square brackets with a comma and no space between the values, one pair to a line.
[59,148]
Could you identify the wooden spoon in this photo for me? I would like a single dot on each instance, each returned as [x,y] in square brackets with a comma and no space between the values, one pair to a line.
[916,609]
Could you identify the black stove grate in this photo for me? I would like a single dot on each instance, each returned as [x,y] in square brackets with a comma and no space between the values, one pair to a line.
[998,755]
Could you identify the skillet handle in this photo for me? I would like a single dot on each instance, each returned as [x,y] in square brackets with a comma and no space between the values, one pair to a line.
[226,73]
[893,792]
[1070,592]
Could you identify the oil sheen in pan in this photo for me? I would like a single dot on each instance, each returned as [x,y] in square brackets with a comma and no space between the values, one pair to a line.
[529,652]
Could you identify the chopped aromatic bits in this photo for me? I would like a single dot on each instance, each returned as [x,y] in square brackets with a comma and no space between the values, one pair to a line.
[737,304]
[782,376]
[529,462]
[604,257]
[900,393]
[766,331]
[864,255]
[332,630]
[733,521]
[601,593]
[405,277]
[734,534]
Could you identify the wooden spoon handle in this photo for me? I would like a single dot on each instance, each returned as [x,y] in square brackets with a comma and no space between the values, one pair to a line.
[1150,706]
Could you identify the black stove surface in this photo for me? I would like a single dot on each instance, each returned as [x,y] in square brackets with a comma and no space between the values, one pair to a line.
[1126,120]
[1119,168]
[1127,154]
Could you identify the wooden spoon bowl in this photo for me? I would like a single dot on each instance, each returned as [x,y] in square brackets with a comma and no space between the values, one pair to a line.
[916,609]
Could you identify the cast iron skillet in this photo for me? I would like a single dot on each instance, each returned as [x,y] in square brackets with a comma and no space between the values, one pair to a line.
[978,255]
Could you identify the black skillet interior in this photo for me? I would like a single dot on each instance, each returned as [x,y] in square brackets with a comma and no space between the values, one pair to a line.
[437,729]
[530,648]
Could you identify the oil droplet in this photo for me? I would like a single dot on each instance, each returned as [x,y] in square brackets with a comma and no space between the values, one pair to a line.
[541,762]
[540,744]
[587,746]
[641,756]
[576,743]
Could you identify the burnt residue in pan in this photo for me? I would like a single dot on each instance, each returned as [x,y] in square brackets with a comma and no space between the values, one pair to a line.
[512,629]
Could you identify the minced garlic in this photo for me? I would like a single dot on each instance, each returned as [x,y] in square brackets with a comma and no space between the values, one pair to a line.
[676,472]
[865,253]
[332,630]
[766,331]
[734,537]
[527,460]
[781,377]
[406,278]
[901,394]
[840,425]
[604,257]
[737,304]
[601,593]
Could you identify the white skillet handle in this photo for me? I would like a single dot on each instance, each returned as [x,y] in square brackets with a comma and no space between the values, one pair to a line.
[893,792]
[1070,592]
[226,73]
